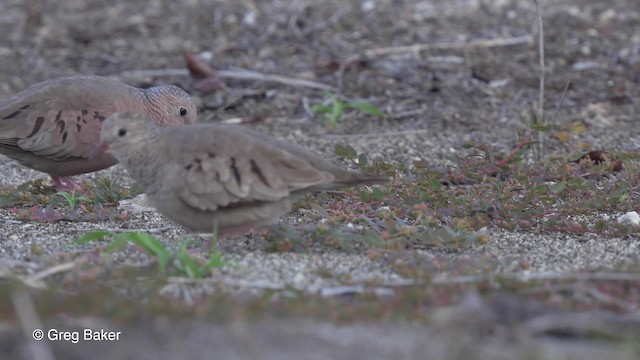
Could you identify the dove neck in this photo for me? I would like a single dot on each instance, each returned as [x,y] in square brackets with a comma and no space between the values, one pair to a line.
[146,105]
[144,158]
[153,106]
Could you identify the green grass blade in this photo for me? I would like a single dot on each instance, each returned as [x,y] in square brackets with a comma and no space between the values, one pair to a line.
[93,236]
[366,107]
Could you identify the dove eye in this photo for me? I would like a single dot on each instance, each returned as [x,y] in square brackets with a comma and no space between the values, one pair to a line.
[122,132]
[183,111]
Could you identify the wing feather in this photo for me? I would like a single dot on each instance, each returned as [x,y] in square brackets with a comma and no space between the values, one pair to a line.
[59,119]
[224,167]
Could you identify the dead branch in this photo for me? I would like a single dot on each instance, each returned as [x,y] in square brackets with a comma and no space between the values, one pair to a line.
[240,74]
[596,276]
[30,322]
[487,43]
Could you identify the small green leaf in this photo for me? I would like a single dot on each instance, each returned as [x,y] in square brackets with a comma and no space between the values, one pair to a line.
[186,264]
[558,187]
[148,242]
[163,261]
[534,120]
[362,159]
[118,243]
[366,107]
[618,197]
[539,189]
[378,194]
[215,261]
[93,236]
[336,111]
[152,245]
[600,225]
[321,108]
[182,249]
[434,185]
[345,151]
[542,127]
[69,198]
[214,254]
[364,195]
[181,262]
[64,194]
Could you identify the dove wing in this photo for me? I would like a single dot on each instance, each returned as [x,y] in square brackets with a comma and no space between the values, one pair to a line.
[224,167]
[59,119]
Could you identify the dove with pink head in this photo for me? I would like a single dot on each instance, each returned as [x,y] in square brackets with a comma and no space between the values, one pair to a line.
[52,126]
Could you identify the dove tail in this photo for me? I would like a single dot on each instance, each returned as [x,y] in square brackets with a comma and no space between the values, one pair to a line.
[361,179]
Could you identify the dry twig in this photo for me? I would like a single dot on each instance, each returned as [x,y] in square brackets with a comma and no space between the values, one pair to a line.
[596,276]
[29,321]
[240,74]
[487,43]
[56,269]
[542,73]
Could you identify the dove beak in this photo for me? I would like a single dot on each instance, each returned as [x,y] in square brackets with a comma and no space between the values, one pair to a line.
[99,150]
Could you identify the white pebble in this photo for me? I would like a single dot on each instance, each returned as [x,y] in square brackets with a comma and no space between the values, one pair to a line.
[631,217]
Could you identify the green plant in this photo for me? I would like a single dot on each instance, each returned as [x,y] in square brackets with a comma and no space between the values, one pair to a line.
[348,152]
[72,199]
[109,192]
[180,263]
[334,110]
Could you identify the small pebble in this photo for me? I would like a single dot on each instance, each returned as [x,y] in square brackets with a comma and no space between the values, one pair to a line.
[631,218]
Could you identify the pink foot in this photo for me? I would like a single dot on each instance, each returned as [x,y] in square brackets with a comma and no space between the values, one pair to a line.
[64,183]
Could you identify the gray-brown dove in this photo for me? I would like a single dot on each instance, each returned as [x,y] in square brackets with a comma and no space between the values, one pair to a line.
[52,126]
[202,174]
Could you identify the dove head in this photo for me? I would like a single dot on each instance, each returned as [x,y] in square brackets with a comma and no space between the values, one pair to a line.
[170,105]
[125,133]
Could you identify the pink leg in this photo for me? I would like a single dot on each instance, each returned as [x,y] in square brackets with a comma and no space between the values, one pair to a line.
[64,183]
